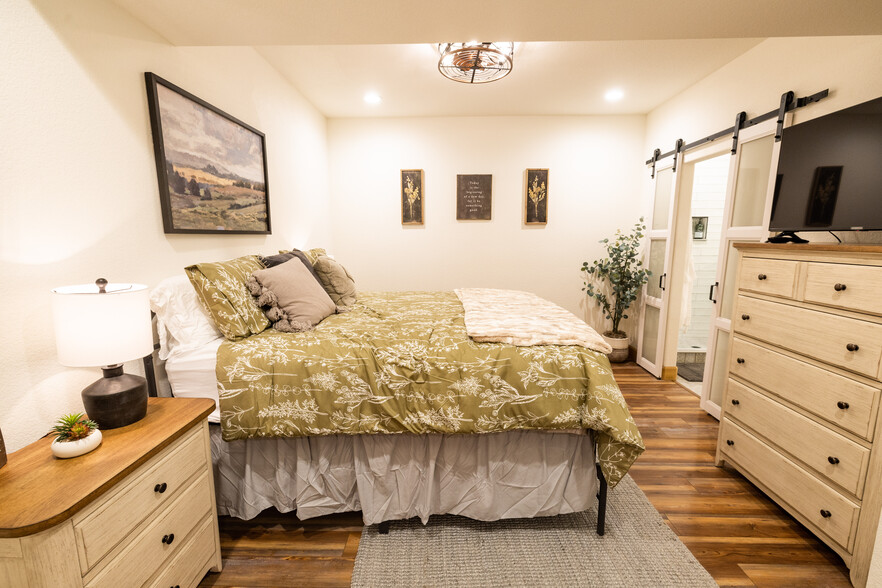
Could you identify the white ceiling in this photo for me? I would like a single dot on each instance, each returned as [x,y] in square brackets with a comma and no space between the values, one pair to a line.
[570,51]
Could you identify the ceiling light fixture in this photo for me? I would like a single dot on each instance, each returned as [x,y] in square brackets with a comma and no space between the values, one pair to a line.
[475,63]
[614,95]
[372,98]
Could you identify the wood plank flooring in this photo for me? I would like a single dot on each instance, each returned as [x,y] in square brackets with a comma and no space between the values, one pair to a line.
[739,535]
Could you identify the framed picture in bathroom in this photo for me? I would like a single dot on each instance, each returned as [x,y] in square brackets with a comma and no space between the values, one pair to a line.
[699,228]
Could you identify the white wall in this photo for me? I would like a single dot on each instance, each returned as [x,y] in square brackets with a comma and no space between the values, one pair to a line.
[79,196]
[594,188]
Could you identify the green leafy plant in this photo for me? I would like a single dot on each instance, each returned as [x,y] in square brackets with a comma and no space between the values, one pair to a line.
[623,272]
[72,427]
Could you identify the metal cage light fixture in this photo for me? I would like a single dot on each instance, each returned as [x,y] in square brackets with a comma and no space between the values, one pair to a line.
[474,62]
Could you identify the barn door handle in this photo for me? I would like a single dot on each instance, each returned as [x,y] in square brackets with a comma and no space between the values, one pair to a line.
[661,280]
[710,294]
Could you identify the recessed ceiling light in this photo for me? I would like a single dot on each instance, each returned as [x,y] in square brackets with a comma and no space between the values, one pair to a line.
[614,95]
[372,98]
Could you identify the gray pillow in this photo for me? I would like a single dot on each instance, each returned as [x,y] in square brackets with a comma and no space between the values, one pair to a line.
[336,281]
[293,300]
[280,258]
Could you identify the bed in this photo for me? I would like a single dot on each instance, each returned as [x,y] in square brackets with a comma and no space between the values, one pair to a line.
[392,409]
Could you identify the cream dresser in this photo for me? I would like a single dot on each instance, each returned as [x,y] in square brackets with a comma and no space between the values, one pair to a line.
[800,417]
[137,511]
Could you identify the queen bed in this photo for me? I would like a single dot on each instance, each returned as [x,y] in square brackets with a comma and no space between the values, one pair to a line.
[391,408]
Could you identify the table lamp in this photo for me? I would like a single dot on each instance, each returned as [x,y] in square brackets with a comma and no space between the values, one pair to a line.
[106,325]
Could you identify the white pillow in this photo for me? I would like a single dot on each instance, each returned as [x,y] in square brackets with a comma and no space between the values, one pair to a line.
[181,319]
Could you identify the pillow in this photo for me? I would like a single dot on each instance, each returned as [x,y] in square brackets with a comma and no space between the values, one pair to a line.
[282,257]
[278,259]
[182,321]
[221,287]
[335,280]
[295,299]
[313,254]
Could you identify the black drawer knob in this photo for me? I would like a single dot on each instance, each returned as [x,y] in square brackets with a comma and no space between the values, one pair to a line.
[745,317]
[160,488]
[761,277]
[839,287]
[852,347]
[842,405]
[729,442]
[833,460]
[735,402]
[739,360]
[826,513]
[167,539]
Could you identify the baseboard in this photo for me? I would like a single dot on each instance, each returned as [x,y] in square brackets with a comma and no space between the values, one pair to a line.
[669,372]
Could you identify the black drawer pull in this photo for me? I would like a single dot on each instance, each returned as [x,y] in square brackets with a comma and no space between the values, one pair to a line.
[826,513]
[160,488]
[735,402]
[833,460]
[761,277]
[729,442]
[852,347]
[739,360]
[745,317]
[842,405]
[167,539]
[839,287]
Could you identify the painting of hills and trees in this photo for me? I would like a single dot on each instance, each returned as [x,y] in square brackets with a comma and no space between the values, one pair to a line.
[211,166]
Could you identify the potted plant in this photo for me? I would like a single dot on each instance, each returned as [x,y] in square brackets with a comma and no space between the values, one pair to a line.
[75,435]
[615,281]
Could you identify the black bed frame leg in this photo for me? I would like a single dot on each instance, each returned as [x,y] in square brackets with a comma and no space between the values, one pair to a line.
[383,528]
[601,502]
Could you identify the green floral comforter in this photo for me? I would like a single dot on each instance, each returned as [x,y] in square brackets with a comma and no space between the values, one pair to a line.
[401,362]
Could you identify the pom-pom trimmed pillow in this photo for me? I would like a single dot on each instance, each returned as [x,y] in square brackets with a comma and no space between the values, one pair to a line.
[282,257]
[221,287]
[295,301]
[335,280]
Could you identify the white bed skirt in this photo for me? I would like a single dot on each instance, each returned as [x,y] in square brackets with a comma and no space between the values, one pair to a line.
[389,477]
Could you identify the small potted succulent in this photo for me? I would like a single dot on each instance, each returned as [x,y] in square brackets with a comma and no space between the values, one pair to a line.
[614,283]
[75,435]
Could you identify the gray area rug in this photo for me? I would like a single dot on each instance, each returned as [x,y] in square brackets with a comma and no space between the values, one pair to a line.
[638,550]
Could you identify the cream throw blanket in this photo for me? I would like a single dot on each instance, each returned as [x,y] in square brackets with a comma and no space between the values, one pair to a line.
[521,318]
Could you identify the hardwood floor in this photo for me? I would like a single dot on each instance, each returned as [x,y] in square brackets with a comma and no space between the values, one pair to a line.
[740,536]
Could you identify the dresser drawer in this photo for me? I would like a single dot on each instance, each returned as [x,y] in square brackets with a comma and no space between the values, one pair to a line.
[855,287]
[807,386]
[147,551]
[188,567]
[768,276]
[838,459]
[156,483]
[823,336]
[804,493]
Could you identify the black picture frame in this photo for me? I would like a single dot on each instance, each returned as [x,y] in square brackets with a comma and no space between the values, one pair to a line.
[474,197]
[536,197]
[238,204]
[413,196]
[699,228]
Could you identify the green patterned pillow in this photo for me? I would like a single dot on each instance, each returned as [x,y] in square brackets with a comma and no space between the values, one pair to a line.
[221,289]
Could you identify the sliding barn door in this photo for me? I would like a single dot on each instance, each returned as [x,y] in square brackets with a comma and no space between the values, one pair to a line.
[651,330]
[746,215]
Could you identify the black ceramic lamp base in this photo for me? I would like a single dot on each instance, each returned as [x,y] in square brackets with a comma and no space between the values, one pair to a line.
[117,399]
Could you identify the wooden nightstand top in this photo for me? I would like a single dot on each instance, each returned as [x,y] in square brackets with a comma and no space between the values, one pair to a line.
[38,491]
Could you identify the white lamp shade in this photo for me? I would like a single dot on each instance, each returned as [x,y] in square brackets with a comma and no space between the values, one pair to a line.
[99,329]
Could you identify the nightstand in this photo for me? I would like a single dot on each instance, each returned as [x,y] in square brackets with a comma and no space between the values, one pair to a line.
[137,511]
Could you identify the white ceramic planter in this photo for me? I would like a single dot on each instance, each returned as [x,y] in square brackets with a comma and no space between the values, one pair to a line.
[619,352]
[66,449]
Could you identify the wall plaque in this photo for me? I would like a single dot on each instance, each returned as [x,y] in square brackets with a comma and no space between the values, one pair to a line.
[474,196]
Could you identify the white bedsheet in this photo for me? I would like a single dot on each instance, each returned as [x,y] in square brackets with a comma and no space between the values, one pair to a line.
[389,477]
[191,374]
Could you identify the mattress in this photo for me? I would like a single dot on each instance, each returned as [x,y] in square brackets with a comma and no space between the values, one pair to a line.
[191,374]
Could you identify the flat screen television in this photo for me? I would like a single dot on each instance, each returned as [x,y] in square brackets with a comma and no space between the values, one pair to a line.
[829,174]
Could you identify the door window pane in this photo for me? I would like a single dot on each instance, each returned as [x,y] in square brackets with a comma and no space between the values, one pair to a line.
[656,265]
[662,205]
[752,182]
[650,333]
[727,296]
[721,355]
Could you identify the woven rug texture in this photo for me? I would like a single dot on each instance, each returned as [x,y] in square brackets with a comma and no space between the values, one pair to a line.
[638,550]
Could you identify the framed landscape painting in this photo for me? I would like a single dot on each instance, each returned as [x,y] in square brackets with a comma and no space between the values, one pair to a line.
[211,166]
[536,197]
[412,196]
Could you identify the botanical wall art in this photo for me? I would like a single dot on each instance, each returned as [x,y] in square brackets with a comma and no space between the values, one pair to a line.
[412,196]
[474,197]
[536,197]
[211,167]
[699,227]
